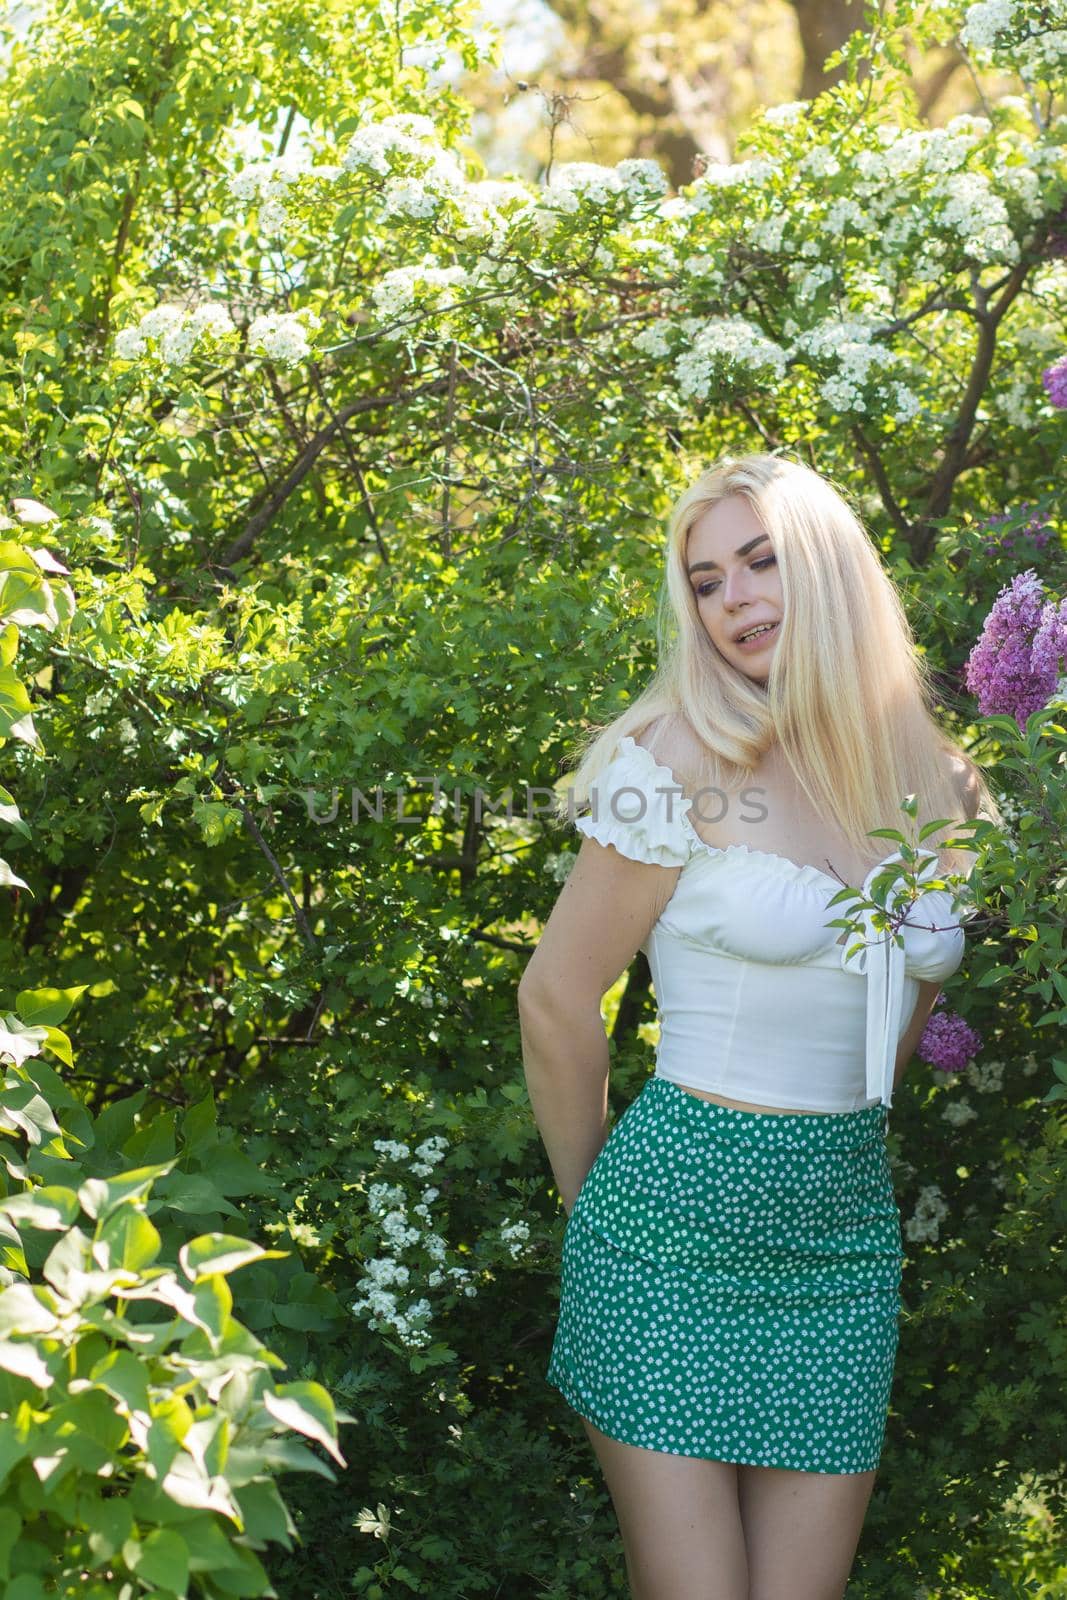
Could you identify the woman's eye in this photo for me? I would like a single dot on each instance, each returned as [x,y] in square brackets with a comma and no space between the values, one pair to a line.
[757,566]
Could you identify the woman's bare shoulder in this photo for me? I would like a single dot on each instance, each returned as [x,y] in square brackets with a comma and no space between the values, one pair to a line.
[672,741]
[965,776]
[671,735]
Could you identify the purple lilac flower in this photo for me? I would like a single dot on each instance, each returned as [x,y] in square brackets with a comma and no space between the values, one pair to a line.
[1050,641]
[1055,380]
[1035,532]
[1014,667]
[947,1042]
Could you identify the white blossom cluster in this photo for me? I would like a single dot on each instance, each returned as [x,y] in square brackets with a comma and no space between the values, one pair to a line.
[574,181]
[986,1076]
[100,701]
[655,340]
[820,162]
[408,140]
[558,865]
[481,207]
[1028,39]
[984,21]
[375,144]
[769,232]
[844,210]
[653,248]
[664,335]
[265,184]
[846,342]
[906,152]
[397,291]
[282,335]
[958,1111]
[809,280]
[383,1275]
[787,114]
[410,197]
[515,1234]
[1039,337]
[1013,402]
[726,346]
[970,205]
[174,330]
[753,173]
[704,268]
[930,1212]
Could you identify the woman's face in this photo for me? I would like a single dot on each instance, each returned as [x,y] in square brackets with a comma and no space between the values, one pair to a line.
[734,576]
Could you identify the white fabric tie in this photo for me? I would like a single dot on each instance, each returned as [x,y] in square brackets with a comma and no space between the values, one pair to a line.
[883,962]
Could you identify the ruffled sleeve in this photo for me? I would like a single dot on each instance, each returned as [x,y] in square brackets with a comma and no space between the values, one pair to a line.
[933,949]
[639,807]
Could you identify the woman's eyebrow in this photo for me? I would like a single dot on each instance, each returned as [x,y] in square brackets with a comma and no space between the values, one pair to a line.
[699,566]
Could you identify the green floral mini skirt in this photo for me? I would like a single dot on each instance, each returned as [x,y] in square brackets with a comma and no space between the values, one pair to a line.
[730,1284]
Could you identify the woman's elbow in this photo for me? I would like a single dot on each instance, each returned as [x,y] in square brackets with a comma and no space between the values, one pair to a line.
[538,993]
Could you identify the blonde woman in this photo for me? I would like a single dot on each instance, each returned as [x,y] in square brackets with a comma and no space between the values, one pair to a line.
[731,1262]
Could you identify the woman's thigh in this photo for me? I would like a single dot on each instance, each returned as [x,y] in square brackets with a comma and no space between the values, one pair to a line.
[801,1530]
[680,1521]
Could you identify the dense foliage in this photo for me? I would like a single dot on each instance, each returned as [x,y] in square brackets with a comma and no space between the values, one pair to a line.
[356,466]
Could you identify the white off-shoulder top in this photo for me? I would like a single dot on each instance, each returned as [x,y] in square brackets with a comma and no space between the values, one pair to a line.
[757,999]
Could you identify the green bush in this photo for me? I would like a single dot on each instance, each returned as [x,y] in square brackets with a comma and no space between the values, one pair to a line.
[395,517]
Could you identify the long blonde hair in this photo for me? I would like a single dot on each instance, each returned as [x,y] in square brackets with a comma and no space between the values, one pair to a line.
[848,695]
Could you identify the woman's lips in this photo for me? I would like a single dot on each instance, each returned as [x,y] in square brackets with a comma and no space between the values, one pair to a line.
[760,639]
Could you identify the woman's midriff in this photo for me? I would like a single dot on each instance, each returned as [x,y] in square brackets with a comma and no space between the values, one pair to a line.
[743,1105]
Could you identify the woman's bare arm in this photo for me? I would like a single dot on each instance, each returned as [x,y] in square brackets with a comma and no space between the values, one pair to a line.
[603,914]
[964,773]
[909,1043]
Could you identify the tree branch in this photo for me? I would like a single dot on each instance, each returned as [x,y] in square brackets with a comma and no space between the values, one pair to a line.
[307,458]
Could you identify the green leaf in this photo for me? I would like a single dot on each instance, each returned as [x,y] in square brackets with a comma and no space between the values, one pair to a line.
[163,1560]
[47,1005]
[124,1375]
[48,1207]
[13,558]
[27,1587]
[264,1512]
[110,1525]
[26,1309]
[932,827]
[21,1357]
[307,1407]
[57,1043]
[195,1194]
[100,1196]
[212,1253]
[127,1239]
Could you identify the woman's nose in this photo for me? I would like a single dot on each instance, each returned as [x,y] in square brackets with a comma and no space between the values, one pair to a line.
[735,588]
